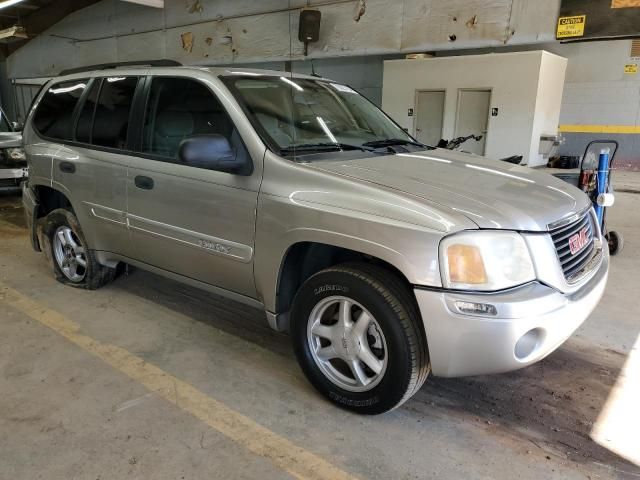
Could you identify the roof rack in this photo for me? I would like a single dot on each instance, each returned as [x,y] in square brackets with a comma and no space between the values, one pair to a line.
[165,62]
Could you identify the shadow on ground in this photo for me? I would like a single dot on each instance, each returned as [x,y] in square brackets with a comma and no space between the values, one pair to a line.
[550,406]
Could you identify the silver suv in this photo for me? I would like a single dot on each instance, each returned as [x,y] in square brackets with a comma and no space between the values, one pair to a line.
[384,258]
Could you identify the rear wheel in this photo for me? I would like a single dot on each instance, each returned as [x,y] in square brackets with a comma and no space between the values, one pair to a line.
[356,333]
[65,246]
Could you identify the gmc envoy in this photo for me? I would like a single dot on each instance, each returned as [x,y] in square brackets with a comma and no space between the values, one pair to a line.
[384,258]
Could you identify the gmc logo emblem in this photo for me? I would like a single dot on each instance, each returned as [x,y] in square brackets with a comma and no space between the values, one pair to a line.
[579,240]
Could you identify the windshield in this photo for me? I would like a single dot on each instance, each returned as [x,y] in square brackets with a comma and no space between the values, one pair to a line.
[306,116]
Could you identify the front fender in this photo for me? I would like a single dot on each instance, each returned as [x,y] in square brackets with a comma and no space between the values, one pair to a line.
[412,249]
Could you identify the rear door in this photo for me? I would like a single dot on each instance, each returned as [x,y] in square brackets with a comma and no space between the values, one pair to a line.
[192,221]
[92,164]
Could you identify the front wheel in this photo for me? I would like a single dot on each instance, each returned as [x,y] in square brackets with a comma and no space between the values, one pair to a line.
[356,333]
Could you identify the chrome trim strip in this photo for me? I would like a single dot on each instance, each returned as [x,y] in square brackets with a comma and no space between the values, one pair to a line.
[210,244]
[566,221]
[100,211]
[592,264]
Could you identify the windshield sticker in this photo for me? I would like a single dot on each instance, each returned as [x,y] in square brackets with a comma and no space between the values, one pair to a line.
[343,88]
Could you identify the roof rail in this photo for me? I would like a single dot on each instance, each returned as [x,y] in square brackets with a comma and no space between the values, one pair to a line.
[137,63]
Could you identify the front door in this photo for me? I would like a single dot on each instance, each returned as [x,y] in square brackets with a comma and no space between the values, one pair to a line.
[192,221]
[472,118]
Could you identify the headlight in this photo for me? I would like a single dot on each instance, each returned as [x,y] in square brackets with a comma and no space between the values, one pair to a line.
[485,260]
[16,154]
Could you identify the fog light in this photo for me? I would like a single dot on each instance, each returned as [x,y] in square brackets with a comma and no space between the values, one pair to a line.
[528,343]
[476,308]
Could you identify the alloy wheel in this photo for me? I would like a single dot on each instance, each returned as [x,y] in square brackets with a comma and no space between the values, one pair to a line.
[347,344]
[70,254]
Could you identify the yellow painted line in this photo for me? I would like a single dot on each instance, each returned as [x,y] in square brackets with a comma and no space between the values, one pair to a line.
[623,129]
[291,458]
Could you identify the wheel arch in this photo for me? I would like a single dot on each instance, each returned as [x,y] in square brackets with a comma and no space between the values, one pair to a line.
[50,198]
[303,259]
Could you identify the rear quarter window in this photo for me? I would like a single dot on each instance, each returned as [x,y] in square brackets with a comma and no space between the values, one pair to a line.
[54,114]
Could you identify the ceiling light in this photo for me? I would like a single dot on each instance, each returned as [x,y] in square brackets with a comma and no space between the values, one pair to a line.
[8,3]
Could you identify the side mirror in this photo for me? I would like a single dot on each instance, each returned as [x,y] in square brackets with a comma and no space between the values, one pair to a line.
[212,152]
[17,126]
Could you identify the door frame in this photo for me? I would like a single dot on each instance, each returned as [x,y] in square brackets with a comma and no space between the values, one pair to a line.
[475,89]
[415,107]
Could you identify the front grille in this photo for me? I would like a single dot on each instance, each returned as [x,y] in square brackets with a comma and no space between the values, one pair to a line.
[573,263]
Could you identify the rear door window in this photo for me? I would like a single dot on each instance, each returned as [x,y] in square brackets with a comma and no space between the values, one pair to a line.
[54,115]
[111,117]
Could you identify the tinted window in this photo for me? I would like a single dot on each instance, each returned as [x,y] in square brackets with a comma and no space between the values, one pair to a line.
[179,108]
[85,120]
[55,110]
[111,118]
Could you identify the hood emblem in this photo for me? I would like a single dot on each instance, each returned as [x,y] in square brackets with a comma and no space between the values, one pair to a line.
[578,241]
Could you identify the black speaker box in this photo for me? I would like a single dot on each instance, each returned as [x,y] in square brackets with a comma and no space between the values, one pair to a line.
[309,26]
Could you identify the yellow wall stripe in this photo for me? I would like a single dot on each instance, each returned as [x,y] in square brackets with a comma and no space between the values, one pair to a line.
[295,460]
[624,129]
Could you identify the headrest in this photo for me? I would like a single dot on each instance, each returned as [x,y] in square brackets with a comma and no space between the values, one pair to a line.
[174,123]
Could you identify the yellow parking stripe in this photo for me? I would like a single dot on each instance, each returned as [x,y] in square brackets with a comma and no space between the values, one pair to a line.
[293,459]
[621,129]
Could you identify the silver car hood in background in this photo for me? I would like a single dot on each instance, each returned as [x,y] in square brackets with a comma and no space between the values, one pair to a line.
[490,193]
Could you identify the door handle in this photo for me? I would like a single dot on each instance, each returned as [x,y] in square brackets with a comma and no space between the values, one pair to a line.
[145,183]
[67,167]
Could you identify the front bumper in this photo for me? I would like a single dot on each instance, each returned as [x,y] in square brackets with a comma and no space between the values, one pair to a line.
[11,178]
[531,322]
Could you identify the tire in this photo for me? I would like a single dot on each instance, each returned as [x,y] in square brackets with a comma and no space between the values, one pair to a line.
[616,242]
[331,350]
[64,224]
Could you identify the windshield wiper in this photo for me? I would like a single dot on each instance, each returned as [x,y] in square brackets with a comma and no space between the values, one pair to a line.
[388,142]
[324,146]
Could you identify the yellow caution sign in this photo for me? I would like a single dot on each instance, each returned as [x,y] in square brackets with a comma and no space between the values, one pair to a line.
[631,68]
[569,27]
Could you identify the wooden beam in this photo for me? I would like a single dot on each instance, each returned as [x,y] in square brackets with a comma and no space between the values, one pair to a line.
[148,3]
[40,20]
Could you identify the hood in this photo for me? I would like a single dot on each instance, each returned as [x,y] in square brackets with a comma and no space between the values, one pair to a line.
[491,193]
[10,139]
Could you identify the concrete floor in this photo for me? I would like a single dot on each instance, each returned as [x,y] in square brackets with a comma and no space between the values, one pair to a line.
[66,412]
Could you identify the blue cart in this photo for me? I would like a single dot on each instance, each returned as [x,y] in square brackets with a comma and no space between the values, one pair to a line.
[594,179]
